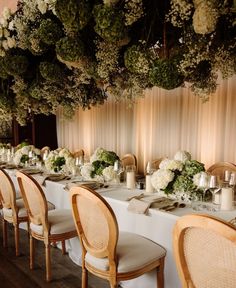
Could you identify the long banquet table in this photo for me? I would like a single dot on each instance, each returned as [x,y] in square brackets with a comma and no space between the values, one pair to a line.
[157,226]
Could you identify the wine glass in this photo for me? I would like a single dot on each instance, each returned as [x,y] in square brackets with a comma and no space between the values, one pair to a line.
[214,188]
[203,184]
[149,168]
[118,168]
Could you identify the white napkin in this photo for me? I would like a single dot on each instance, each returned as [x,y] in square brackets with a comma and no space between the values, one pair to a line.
[138,206]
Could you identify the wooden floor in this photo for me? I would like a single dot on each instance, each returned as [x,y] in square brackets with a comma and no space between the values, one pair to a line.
[15,272]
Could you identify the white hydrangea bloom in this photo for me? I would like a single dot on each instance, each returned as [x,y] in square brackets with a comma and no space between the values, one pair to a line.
[11,42]
[37,151]
[11,25]
[64,153]
[170,164]
[196,178]
[25,149]
[42,6]
[3,22]
[6,13]
[205,18]
[109,174]
[96,154]
[5,45]
[182,156]
[17,157]
[70,164]
[86,170]
[161,178]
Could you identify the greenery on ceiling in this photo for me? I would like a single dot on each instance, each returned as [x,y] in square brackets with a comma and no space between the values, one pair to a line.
[73,53]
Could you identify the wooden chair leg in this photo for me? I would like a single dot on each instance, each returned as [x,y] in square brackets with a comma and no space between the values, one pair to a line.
[48,262]
[16,228]
[4,230]
[160,274]
[84,276]
[31,252]
[63,246]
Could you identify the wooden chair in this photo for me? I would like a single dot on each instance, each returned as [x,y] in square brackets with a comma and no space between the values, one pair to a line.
[79,153]
[219,168]
[47,226]
[106,252]
[129,159]
[13,210]
[156,163]
[205,252]
[42,151]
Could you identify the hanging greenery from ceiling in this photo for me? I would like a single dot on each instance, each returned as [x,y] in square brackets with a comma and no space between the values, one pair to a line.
[73,53]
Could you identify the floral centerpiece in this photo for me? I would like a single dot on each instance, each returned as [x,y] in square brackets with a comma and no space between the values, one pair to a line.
[178,177]
[101,166]
[60,160]
[22,153]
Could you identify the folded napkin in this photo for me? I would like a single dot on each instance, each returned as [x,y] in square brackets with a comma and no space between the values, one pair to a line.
[138,206]
[8,166]
[90,184]
[31,171]
[51,177]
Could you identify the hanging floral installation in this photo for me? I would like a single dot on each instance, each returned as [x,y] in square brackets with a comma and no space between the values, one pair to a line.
[74,53]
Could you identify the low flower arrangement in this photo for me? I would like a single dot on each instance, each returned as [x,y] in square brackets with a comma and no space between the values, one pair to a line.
[101,166]
[22,154]
[60,160]
[178,177]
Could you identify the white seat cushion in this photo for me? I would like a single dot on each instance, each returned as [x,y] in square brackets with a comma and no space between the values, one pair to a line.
[133,252]
[21,212]
[61,221]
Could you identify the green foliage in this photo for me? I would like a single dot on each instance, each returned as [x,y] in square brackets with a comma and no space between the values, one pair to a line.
[193,167]
[98,167]
[137,59]
[58,163]
[109,157]
[16,65]
[73,14]
[51,71]
[165,73]
[109,23]
[24,158]
[70,49]
[49,31]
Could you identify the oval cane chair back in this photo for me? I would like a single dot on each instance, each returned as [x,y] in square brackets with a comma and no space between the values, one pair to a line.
[205,252]
[79,153]
[129,159]
[7,191]
[34,199]
[219,168]
[43,150]
[103,244]
[156,163]
[97,227]
[13,210]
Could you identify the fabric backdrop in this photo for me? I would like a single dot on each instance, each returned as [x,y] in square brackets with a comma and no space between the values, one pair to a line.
[158,125]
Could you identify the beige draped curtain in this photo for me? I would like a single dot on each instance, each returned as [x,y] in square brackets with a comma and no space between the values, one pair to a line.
[158,125]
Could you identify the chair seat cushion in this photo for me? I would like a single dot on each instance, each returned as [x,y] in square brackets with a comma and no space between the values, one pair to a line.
[21,212]
[60,220]
[133,252]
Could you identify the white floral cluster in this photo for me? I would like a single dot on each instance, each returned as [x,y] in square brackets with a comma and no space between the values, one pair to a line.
[96,154]
[24,151]
[86,171]
[6,40]
[182,156]
[205,17]
[196,178]
[69,165]
[107,56]
[110,2]
[181,11]
[161,178]
[134,11]
[109,174]
[169,164]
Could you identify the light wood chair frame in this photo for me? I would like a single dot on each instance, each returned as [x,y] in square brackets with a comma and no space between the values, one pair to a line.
[47,238]
[15,219]
[214,224]
[222,166]
[78,153]
[156,163]
[132,158]
[112,274]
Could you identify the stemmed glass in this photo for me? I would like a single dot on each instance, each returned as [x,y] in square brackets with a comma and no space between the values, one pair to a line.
[214,188]
[118,168]
[203,184]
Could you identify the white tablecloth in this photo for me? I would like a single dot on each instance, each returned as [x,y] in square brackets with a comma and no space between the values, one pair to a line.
[157,226]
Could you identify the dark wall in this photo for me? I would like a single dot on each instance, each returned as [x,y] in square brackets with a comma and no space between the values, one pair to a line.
[40,131]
